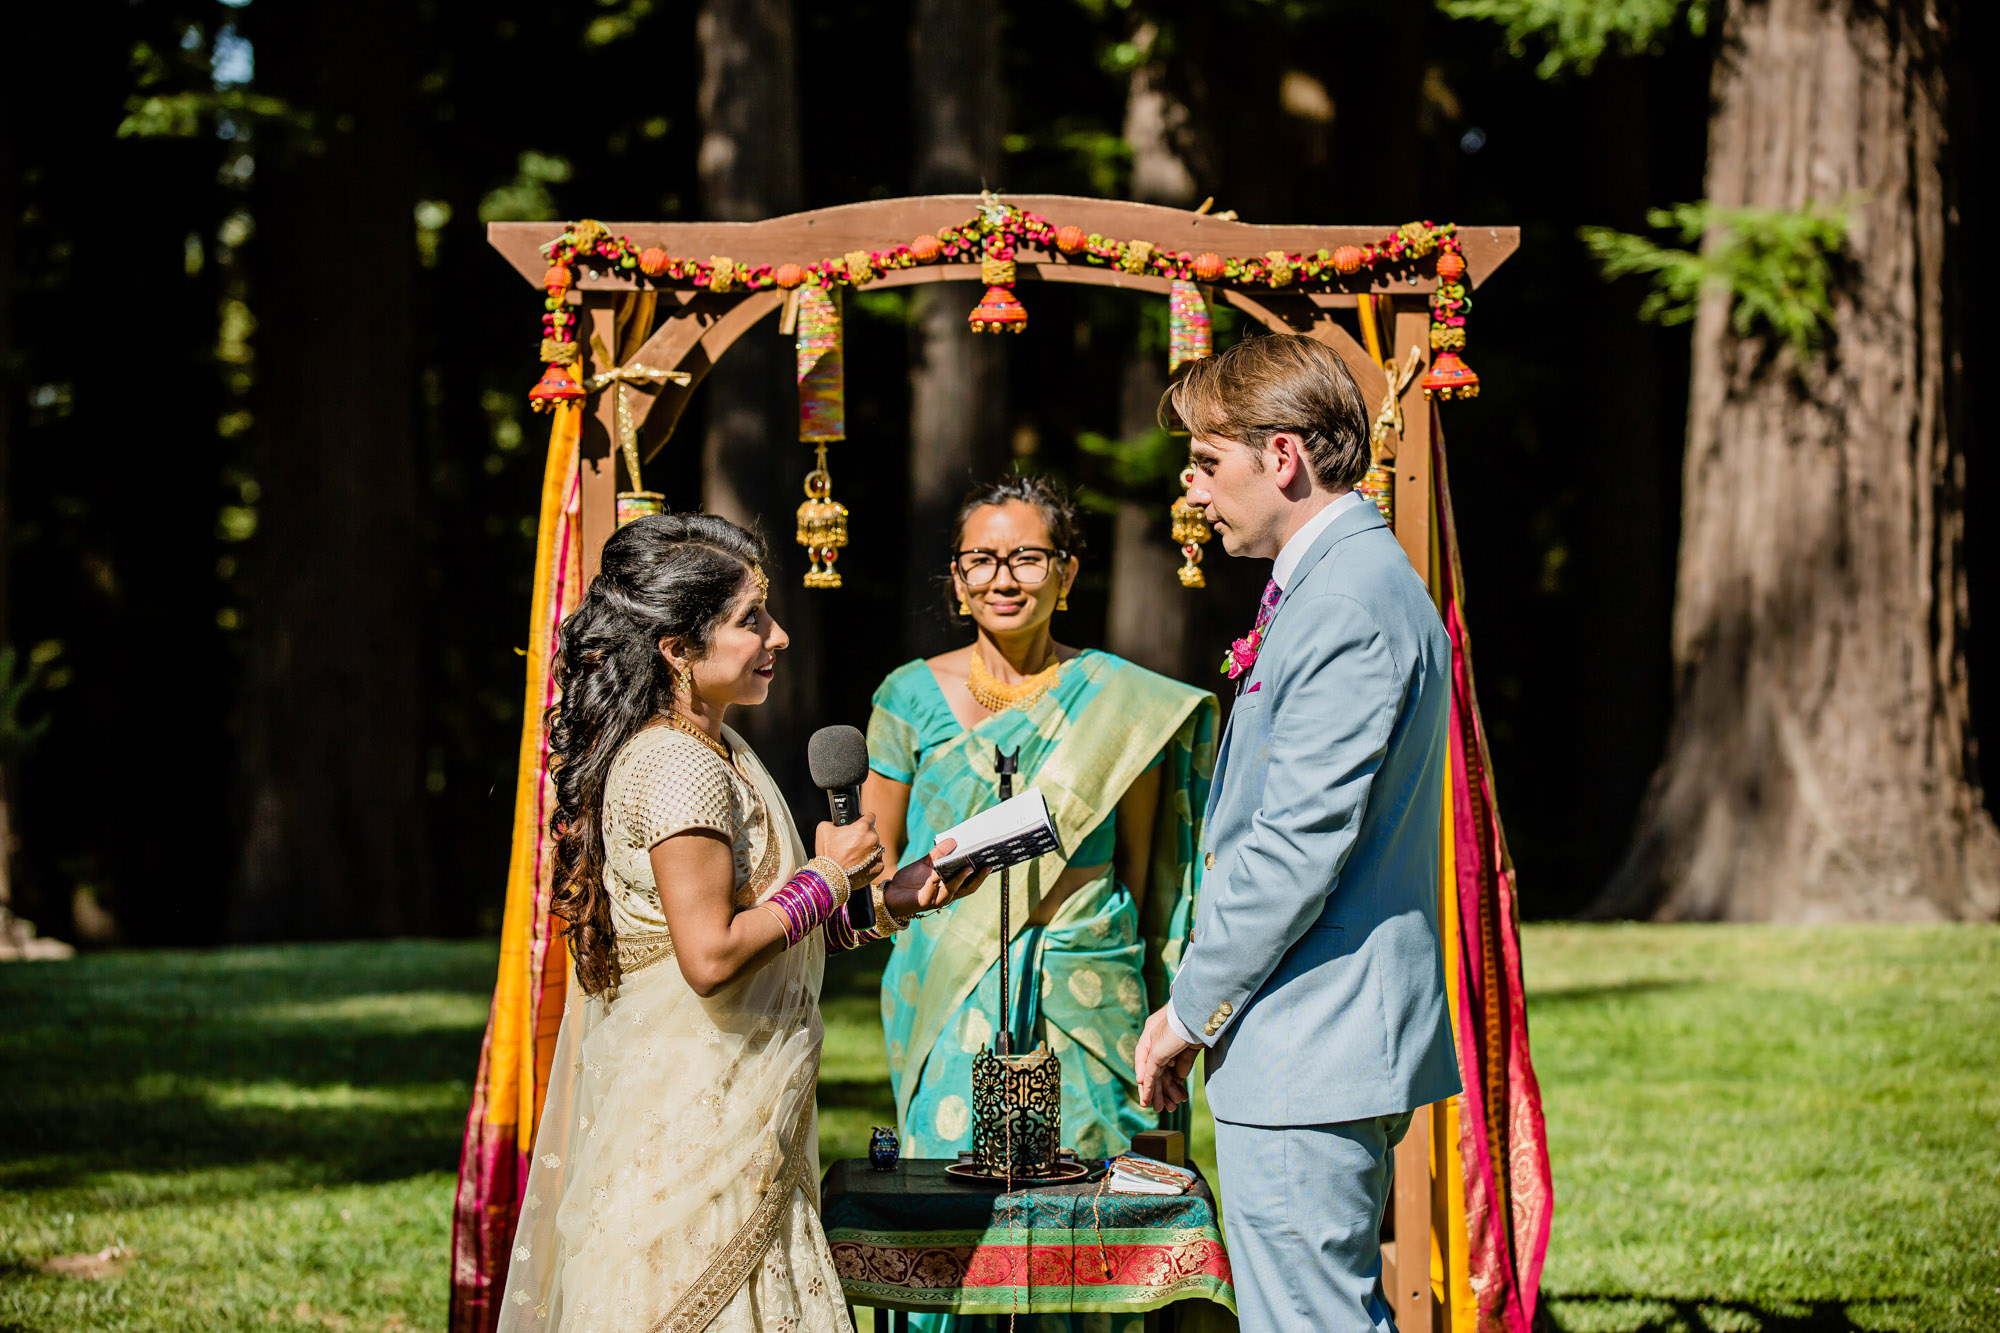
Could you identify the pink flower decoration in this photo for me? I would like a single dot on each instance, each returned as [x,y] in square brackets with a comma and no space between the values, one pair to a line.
[1243,654]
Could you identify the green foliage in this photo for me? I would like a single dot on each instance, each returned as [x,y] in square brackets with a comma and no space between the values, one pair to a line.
[1775,264]
[527,198]
[188,115]
[1575,34]
[18,684]
[1139,463]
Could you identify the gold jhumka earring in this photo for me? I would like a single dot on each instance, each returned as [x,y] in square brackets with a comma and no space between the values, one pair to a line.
[1062,600]
[963,609]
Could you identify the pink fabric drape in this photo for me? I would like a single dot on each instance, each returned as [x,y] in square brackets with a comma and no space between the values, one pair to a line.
[1502,1139]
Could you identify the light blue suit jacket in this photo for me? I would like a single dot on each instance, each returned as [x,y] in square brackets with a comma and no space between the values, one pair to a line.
[1315,968]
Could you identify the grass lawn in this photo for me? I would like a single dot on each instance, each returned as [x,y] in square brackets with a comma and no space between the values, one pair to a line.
[1784,1130]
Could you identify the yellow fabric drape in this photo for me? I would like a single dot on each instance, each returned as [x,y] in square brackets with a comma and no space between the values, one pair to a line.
[523,1041]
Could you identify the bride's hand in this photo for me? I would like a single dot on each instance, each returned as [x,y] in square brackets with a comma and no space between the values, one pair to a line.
[852,847]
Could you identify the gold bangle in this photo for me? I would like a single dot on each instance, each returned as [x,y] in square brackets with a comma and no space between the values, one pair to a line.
[883,912]
[835,877]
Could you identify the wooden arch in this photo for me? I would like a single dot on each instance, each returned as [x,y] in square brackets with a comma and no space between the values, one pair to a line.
[691,328]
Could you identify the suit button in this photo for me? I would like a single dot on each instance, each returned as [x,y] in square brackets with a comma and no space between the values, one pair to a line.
[1227,1009]
[1208,861]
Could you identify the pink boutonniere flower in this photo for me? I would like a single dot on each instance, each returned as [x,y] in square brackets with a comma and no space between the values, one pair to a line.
[1242,654]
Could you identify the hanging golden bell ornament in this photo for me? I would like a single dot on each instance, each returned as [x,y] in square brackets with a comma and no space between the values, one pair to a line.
[1191,530]
[822,527]
[822,380]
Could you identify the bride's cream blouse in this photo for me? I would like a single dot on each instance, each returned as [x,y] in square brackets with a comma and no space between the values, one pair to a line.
[664,782]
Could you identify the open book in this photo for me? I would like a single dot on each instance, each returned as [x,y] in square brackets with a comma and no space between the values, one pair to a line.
[1016,830]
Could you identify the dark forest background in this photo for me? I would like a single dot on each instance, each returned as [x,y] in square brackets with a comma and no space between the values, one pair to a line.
[218,216]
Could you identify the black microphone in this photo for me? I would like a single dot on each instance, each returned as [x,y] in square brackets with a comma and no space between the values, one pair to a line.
[838,758]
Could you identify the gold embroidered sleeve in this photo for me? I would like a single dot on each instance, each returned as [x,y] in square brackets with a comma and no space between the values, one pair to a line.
[670,784]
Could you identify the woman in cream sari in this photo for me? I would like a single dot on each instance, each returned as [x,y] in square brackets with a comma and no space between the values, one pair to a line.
[1123,757]
[675,1171]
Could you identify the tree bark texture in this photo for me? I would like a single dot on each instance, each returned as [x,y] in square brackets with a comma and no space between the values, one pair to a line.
[957,377]
[330,773]
[1821,762]
[752,463]
[1148,615]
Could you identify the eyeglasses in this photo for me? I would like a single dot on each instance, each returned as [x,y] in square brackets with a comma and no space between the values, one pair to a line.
[1029,565]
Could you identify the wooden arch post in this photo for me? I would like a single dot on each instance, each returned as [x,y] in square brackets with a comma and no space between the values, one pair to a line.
[688,328]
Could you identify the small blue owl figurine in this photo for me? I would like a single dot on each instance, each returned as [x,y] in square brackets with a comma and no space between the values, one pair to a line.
[883,1148]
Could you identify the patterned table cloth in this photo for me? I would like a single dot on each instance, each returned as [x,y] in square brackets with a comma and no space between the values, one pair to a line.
[917,1239]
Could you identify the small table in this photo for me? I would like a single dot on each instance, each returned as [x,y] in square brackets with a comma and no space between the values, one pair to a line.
[916,1239]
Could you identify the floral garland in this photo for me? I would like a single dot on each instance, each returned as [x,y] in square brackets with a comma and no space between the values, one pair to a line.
[993,236]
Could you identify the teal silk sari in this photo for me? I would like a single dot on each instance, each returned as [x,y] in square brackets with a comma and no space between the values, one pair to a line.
[1085,982]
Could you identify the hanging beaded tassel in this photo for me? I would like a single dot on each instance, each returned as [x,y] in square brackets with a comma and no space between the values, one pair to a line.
[1189,338]
[822,420]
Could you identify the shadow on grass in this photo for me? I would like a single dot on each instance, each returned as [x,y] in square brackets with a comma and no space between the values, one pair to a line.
[322,1064]
[1613,990]
[1652,1314]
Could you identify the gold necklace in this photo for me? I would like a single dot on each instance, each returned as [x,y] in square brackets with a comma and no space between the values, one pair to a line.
[996,697]
[679,723]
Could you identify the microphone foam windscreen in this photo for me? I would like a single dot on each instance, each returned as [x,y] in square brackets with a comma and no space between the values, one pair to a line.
[838,757]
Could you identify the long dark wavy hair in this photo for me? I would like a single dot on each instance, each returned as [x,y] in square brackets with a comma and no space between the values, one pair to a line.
[669,576]
[1045,496]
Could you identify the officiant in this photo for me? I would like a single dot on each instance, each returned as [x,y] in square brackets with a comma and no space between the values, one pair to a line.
[1123,757]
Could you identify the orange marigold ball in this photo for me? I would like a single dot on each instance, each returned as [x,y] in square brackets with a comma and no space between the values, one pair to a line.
[1347,259]
[1071,239]
[926,249]
[789,276]
[1451,266]
[1208,267]
[557,279]
[653,261]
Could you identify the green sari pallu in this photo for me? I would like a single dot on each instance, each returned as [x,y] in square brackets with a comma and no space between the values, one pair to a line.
[1085,982]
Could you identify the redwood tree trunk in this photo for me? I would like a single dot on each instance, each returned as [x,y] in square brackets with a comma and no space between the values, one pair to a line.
[752,462]
[957,377]
[331,773]
[1820,765]
[1148,614]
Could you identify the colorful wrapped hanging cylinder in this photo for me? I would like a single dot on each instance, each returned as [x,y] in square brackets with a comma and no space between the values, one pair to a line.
[822,371]
[639,504]
[822,527]
[1379,486]
[1189,332]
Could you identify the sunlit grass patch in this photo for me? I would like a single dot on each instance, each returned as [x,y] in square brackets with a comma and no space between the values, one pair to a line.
[1786,1131]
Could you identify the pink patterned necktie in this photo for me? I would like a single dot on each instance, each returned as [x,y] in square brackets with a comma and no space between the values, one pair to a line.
[1268,607]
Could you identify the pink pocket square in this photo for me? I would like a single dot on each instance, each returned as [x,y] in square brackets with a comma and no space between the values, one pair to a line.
[1255,686]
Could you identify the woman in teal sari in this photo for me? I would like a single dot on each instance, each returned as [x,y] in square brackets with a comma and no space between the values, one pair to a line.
[1124,758]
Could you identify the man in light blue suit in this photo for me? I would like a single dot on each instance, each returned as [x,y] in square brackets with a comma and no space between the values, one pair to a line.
[1314,978]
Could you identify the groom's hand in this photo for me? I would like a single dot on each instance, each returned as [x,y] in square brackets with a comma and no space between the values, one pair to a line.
[1164,1062]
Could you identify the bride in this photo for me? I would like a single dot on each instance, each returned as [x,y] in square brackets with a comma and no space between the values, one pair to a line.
[676,1165]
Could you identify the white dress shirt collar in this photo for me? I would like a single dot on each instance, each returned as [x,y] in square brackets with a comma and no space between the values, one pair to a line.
[1295,550]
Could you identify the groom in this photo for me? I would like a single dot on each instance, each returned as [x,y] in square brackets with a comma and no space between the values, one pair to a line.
[1314,978]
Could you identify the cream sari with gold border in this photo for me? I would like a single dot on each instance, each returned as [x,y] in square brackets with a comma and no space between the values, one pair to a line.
[675,1174]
